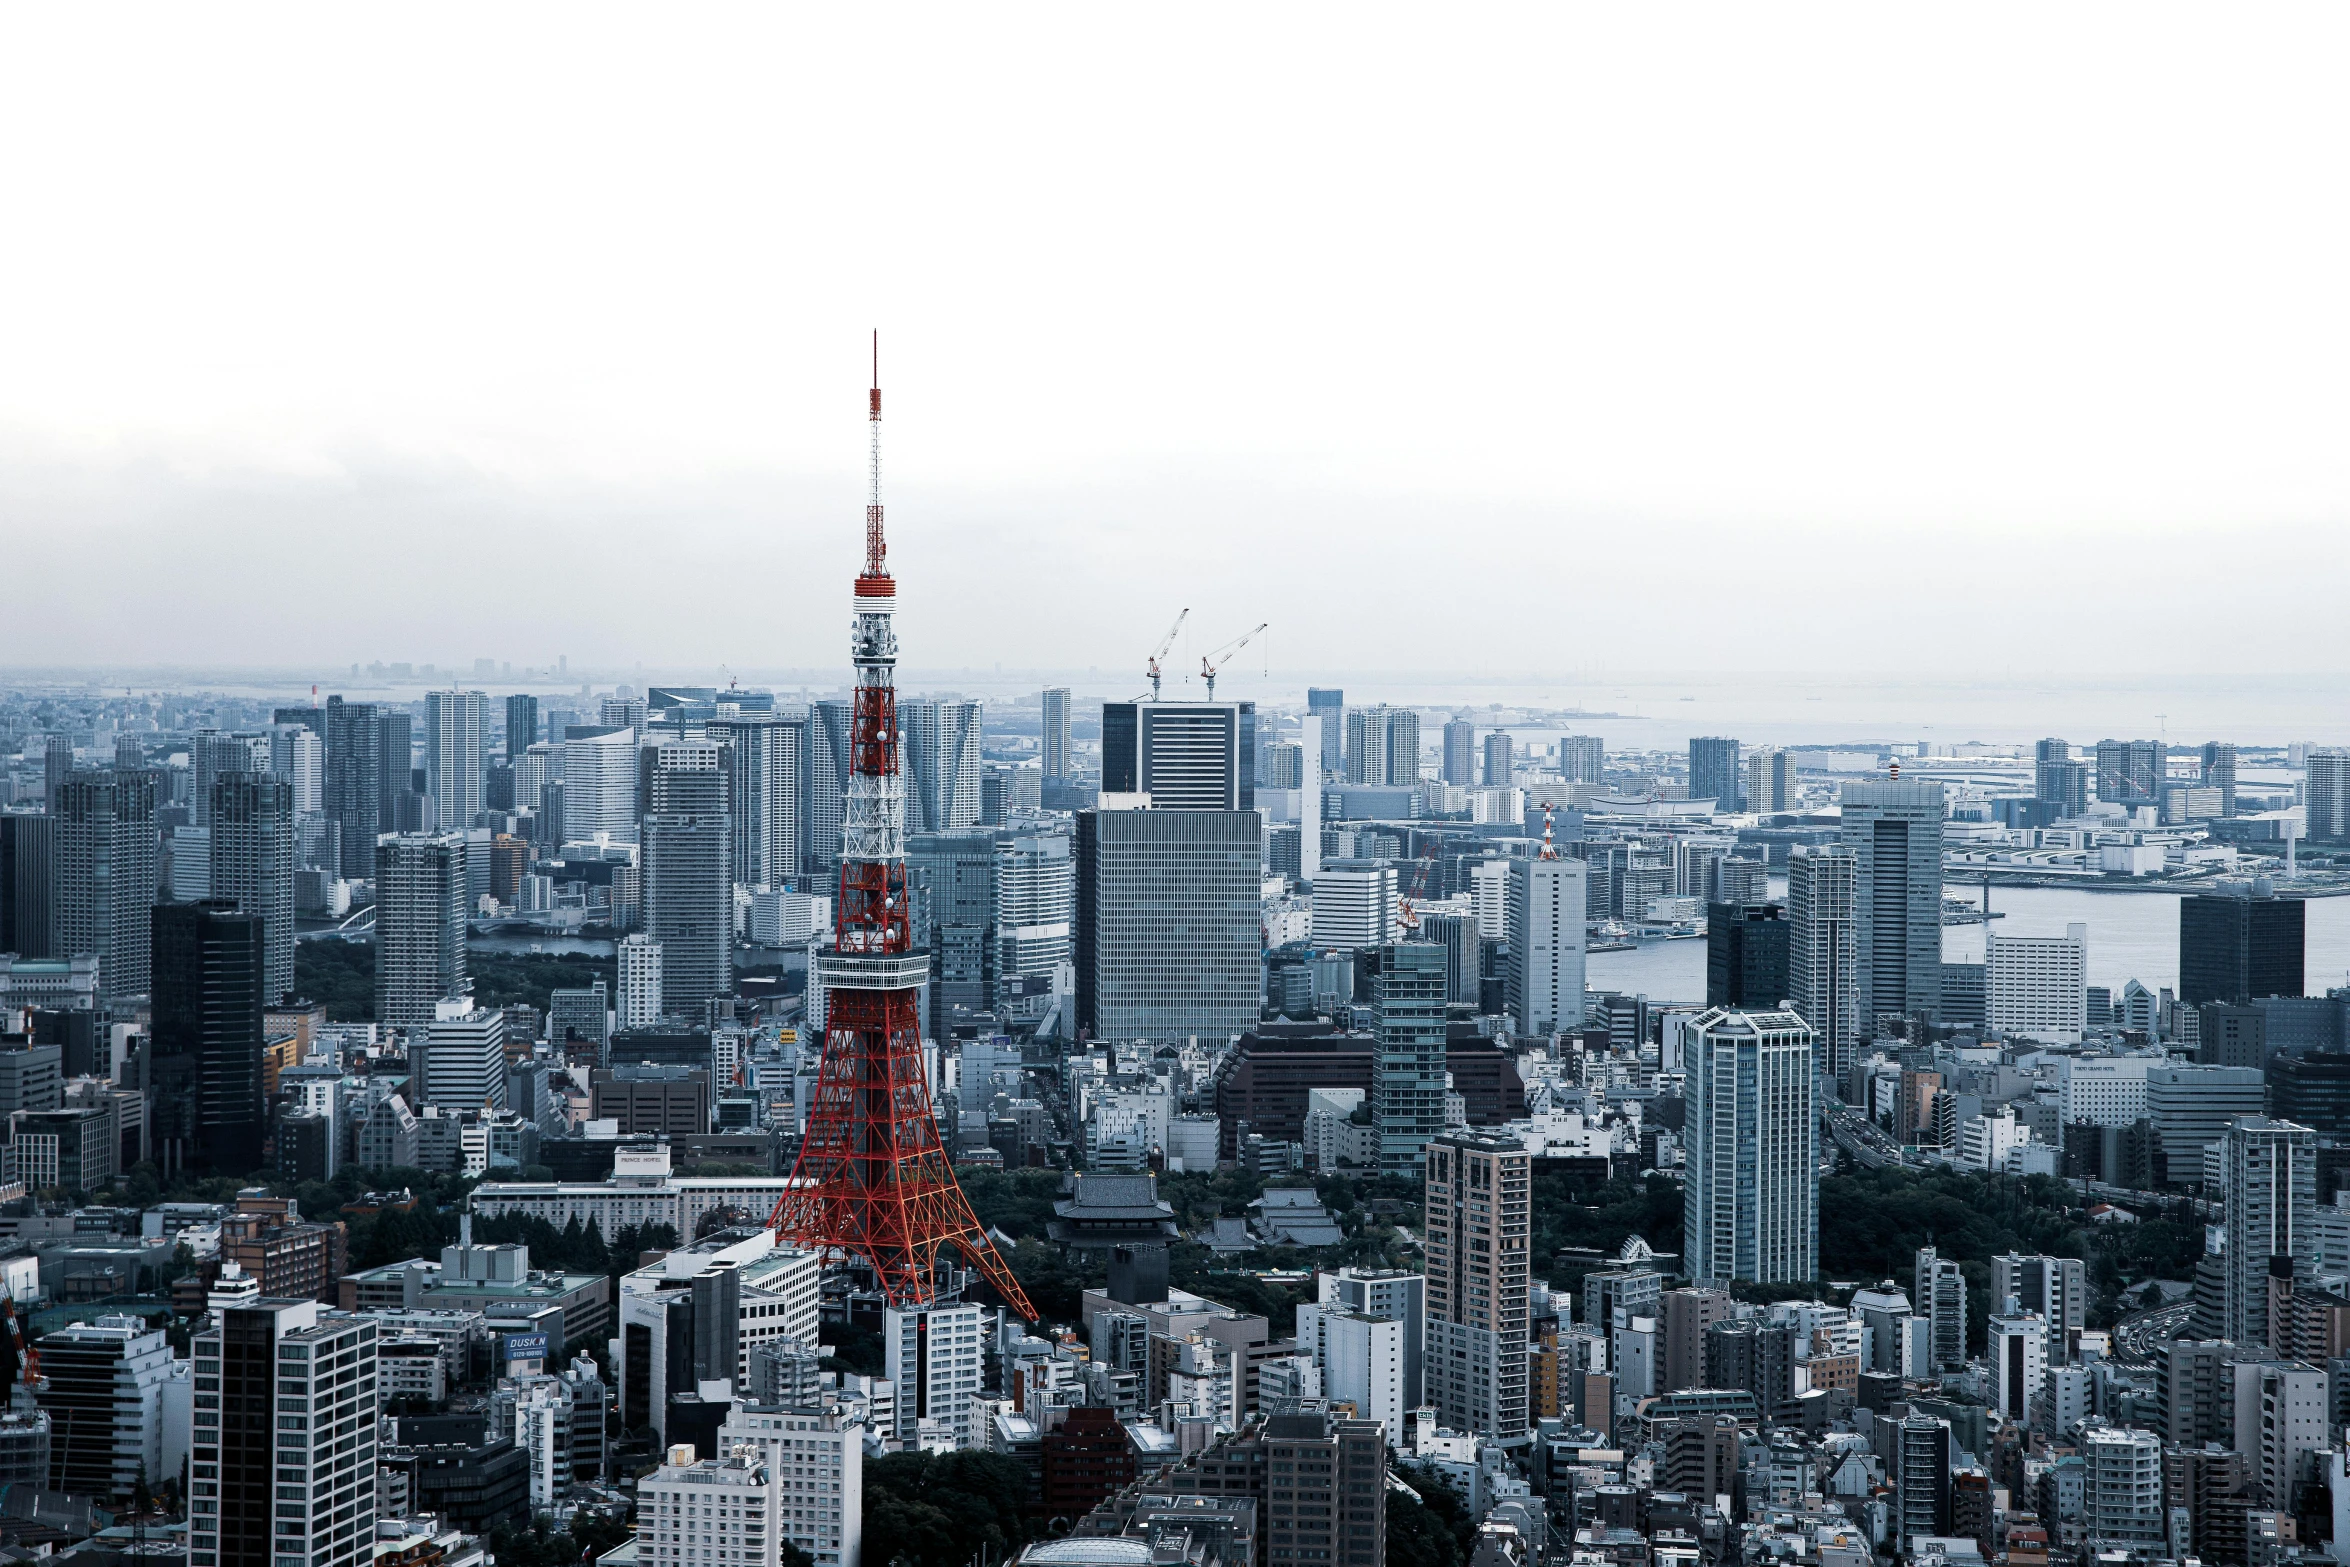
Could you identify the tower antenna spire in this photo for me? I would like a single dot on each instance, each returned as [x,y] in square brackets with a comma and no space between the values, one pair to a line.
[873,1185]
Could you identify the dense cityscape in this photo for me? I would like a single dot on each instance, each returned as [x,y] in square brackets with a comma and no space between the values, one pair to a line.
[504,1116]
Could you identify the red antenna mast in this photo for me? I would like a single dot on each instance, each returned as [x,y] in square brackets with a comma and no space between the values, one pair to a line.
[873,1184]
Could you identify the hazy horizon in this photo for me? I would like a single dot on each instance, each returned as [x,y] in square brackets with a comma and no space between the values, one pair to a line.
[1543,344]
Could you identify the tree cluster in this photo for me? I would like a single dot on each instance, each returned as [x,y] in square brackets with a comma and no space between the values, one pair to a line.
[944,1509]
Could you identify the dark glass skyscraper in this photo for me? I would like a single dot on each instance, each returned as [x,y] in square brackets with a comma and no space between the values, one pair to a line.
[522,726]
[28,883]
[2240,947]
[354,781]
[1460,752]
[1746,947]
[210,961]
[688,879]
[1713,771]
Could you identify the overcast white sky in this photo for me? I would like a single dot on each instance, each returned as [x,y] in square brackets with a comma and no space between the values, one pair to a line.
[1446,339]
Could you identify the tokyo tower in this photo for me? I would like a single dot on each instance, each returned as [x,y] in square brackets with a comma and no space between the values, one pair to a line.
[872,1181]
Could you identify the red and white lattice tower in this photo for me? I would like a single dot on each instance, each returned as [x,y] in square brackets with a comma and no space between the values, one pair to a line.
[872,1182]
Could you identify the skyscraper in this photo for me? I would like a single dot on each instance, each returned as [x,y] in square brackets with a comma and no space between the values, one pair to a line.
[398,798]
[826,792]
[1460,752]
[2130,772]
[688,877]
[1053,748]
[297,754]
[2059,780]
[2038,986]
[2268,1201]
[1894,830]
[1383,746]
[1941,1299]
[2239,944]
[1750,1201]
[210,962]
[1330,707]
[28,884]
[1500,769]
[1479,1223]
[419,926]
[950,876]
[1546,914]
[1713,771]
[522,726]
[56,763]
[1770,780]
[1746,954]
[106,851]
[1582,759]
[1408,1076]
[1823,962]
[2327,796]
[270,1498]
[253,860]
[354,782]
[941,742]
[2219,772]
[1187,756]
[211,754]
[764,765]
[600,787]
[1036,902]
[639,998]
[456,740]
[1169,923]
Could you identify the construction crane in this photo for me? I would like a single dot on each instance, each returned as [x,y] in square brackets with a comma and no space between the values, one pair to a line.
[1160,651]
[1211,662]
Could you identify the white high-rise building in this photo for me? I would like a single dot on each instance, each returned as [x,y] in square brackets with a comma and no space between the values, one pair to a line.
[640,981]
[723,1511]
[1361,1359]
[1355,907]
[1390,1294]
[1750,1196]
[456,739]
[931,1354]
[600,787]
[1489,894]
[2019,1362]
[1546,912]
[817,1455]
[2269,1194]
[2122,1493]
[464,1065]
[1823,962]
[298,755]
[2104,1090]
[2038,986]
